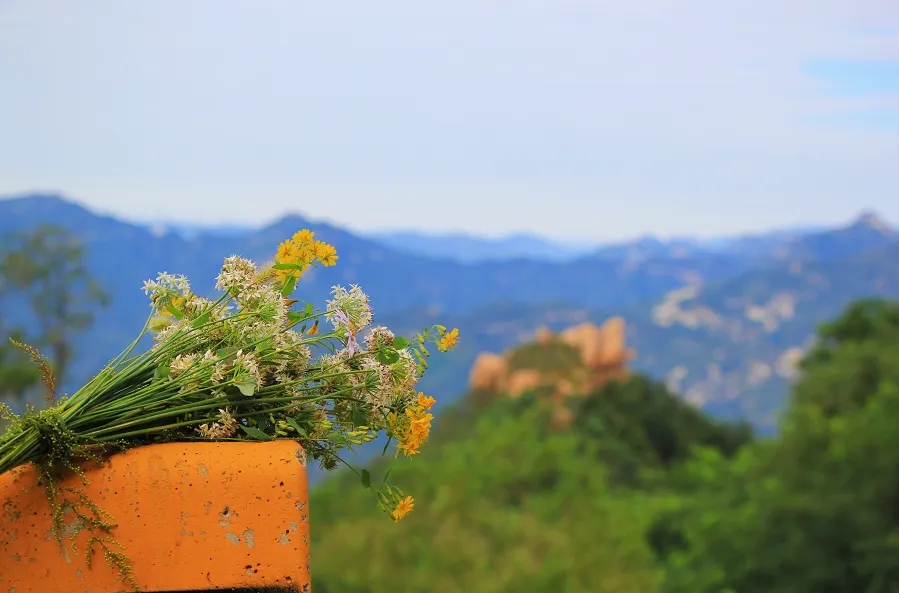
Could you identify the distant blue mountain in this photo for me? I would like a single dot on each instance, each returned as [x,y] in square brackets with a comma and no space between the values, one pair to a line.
[471,248]
[411,277]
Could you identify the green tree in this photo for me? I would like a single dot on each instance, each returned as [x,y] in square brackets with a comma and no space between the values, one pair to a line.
[508,500]
[513,505]
[638,425]
[817,509]
[48,295]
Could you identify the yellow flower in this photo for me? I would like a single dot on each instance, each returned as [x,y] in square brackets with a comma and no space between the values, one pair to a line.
[303,237]
[313,330]
[282,275]
[325,253]
[412,429]
[415,431]
[176,302]
[305,254]
[285,252]
[402,508]
[426,401]
[408,449]
[449,340]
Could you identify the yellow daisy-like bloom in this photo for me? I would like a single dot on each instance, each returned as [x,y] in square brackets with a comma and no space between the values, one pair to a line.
[302,249]
[284,254]
[411,432]
[303,237]
[403,507]
[325,253]
[426,401]
[305,254]
[449,340]
[282,275]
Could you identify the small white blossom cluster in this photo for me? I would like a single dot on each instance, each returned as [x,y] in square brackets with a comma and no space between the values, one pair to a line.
[241,366]
[225,426]
[237,273]
[394,383]
[379,336]
[166,285]
[349,308]
[254,346]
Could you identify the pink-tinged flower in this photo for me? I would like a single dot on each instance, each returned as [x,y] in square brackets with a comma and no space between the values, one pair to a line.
[341,318]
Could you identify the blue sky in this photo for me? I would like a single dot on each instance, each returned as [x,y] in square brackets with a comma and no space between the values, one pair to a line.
[575,119]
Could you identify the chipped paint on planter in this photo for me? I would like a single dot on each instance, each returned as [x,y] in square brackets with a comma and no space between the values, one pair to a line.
[191,516]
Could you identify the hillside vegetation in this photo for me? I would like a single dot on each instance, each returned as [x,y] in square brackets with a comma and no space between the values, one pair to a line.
[641,492]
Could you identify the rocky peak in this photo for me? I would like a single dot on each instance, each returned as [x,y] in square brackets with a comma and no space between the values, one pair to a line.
[575,361]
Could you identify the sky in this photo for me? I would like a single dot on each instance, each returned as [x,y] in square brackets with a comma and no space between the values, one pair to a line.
[574,119]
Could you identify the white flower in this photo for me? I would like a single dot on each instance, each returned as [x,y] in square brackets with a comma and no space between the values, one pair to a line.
[237,273]
[265,302]
[246,361]
[226,426]
[165,287]
[383,393]
[354,304]
[181,363]
[167,332]
[379,336]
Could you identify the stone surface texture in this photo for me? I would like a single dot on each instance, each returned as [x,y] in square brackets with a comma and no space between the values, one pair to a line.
[191,516]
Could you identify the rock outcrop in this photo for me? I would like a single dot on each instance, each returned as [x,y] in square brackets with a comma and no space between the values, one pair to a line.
[602,355]
[489,373]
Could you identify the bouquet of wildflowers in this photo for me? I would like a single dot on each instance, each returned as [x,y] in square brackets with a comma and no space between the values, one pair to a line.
[254,364]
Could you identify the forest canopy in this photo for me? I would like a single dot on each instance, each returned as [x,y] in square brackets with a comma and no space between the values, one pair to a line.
[642,492]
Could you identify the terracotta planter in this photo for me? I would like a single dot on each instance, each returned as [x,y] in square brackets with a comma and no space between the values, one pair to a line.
[191,517]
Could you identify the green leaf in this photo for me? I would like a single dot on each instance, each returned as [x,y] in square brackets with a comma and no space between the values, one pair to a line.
[336,437]
[174,311]
[295,316]
[289,286]
[247,387]
[226,352]
[400,342]
[387,356]
[309,310]
[366,479]
[360,418]
[286,266]
[295,425]
[162,371]
[256,433]
[201,320]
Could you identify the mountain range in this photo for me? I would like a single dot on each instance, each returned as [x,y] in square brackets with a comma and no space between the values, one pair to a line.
[466,247]
[722,321]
